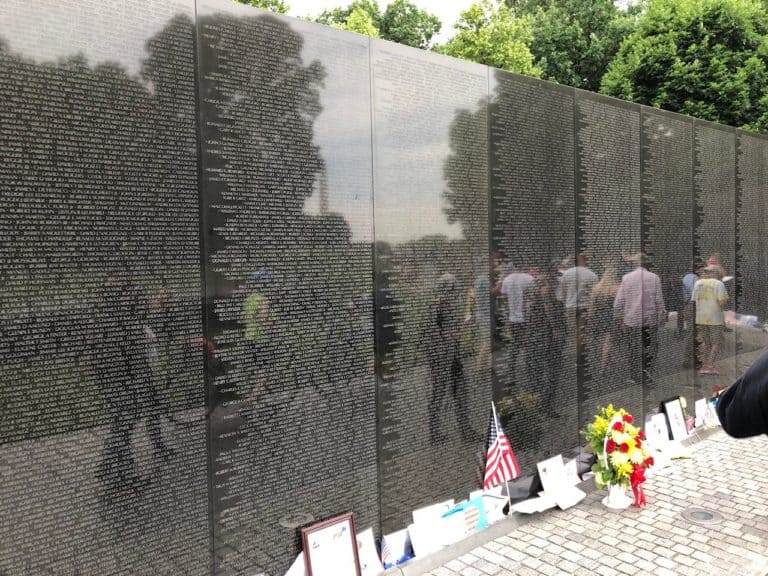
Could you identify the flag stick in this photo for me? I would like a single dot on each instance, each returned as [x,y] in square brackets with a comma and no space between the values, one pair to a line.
[509,496]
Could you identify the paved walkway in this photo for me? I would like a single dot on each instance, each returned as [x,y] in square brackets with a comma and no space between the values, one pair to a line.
[724,475]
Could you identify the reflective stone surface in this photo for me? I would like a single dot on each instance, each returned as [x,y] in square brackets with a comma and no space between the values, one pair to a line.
[100,286]
[256,272]
[285,121]
[532,236]
[603,315]
[432,284]
[667,228]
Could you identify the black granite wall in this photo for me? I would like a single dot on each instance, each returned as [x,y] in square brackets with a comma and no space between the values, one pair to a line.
[255,272]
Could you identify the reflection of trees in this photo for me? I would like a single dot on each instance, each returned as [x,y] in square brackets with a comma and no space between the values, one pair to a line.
[260,104]
[99,168]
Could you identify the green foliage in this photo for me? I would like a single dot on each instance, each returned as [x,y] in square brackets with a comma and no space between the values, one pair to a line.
[404,23]
[278,6]
[401,22]
[359,21]
[574,41]
[493,34]
[706,58]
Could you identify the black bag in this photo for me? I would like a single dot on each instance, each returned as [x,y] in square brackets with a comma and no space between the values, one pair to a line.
[743,407]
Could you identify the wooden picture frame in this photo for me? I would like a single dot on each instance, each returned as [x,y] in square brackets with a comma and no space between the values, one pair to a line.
[674,411]
[330,547]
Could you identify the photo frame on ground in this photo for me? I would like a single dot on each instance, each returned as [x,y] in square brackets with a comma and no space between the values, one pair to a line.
[674,411]
[330,547]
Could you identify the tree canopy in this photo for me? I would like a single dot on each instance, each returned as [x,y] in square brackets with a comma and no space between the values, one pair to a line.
[401,22]
[492,34]
[278,6]
[706,58]
[574,41]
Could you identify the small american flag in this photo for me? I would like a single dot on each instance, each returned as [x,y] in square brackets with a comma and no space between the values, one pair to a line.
[386,553]
[501,464]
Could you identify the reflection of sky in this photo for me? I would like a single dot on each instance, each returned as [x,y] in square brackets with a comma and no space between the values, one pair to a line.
[417,97]
[105,31]
[343,128]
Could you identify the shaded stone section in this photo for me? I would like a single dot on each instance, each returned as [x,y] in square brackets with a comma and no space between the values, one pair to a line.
[532,234]
[100,288]
[431,199]
[608,241]
[667,221]
[751,241]
[286,161]
[715,224]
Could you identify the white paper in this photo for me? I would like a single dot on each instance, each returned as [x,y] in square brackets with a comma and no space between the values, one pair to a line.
[534,505]
[556,483]
[425,538]
[370,565]
[397,543]
[494,507]
[297,568]
[431,513]
[572,471]
[656,431]
[710,417]
[700,411]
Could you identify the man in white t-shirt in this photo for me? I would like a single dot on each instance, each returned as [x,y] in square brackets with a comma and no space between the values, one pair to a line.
[575,291]
[514,287]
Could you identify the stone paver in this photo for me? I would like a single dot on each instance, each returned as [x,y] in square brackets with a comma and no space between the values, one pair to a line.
[589,539]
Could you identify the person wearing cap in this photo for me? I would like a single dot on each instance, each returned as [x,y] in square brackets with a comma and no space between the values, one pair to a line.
[256,317]
[710,296]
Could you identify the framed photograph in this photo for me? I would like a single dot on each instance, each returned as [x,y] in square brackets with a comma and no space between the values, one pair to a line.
[674,411]
[330,547]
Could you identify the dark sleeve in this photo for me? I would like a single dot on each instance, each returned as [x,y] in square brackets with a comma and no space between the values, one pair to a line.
[743,408]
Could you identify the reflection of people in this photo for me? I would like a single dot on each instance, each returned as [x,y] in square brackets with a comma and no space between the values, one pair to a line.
[602,321]
[640,303]
[257,333]
[515,287]
[574,291]
[710,296]
[122,373]
[689,314]
[443,347]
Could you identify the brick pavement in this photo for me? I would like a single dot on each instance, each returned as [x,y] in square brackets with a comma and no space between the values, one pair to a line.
[724,475]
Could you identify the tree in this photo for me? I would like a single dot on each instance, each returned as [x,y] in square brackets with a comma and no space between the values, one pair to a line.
[493,34]
[404,23]
[401,22]
[706,58]
[359,21]
[278,6]
[574,41]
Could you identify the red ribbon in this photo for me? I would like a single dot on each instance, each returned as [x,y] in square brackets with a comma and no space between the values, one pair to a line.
[637,478]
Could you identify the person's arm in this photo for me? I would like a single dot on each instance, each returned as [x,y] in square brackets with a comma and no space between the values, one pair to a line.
[618,302]
[660,301]
[743,407]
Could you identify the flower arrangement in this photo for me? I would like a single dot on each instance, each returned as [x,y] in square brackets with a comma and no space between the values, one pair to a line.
[619,446]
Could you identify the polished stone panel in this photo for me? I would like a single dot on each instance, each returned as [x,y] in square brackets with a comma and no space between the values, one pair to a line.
[286,166]
[100,292]
[608,244]
[532,235]
[751,241]
[667,221]
[715,231]
[432,283]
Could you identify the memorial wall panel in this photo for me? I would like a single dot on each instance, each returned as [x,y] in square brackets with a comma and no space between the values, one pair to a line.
[432,275]
[667,220]
[714,242]
[100,291]
[286,159]
[603,315]
[751,244]
[532,234]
